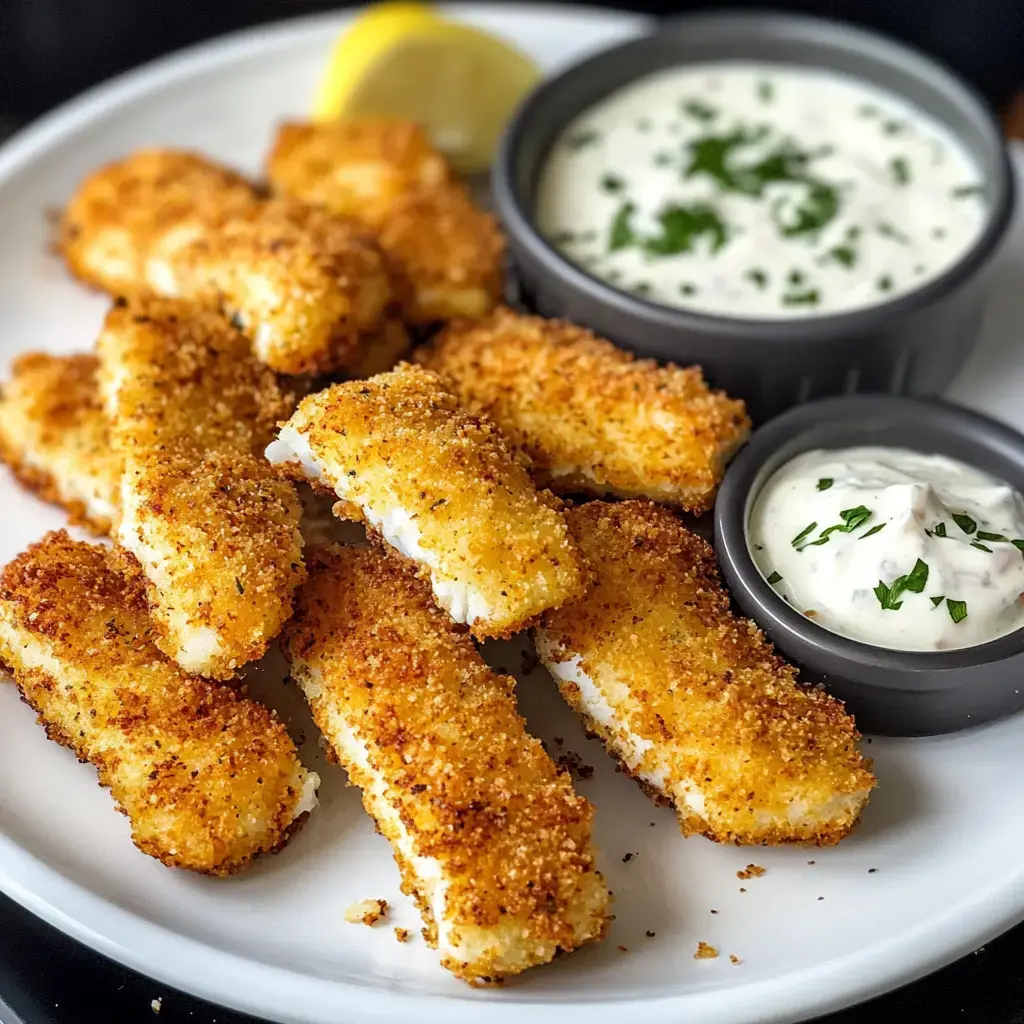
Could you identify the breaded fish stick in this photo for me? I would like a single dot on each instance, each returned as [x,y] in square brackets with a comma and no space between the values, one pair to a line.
[301,284]
[207,778]
[590,417]
[54,436]
[447,254]
[359,167]
[692,699]
[491,841]
[214,530]
[126,224]
[443,489]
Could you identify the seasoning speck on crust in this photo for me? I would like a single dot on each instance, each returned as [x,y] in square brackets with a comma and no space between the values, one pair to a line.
[443,489]
[692,699]
[207,778]
[491,841]
[590,417]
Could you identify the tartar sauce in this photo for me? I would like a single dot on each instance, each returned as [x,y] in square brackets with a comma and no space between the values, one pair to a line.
[760,190]
[894,548]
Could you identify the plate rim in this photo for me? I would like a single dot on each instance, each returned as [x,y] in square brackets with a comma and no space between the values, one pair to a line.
[286,995]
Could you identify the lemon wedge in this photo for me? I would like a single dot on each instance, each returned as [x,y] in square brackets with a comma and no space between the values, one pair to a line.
[405,61]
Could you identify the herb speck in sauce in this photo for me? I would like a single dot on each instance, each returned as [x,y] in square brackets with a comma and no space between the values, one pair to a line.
[899,169]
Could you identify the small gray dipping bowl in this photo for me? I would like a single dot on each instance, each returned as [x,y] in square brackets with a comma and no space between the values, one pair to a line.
[894,693]
[913,344]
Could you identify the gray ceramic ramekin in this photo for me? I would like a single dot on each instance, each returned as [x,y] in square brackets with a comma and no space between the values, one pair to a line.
[895,693]
[913,344]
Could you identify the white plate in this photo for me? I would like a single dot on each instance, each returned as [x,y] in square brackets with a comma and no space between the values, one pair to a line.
[944,831]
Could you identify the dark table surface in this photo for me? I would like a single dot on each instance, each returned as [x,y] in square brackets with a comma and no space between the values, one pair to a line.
[51,49]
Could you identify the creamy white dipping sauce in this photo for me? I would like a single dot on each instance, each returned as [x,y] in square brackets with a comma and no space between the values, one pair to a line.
[760,191]
[902,550]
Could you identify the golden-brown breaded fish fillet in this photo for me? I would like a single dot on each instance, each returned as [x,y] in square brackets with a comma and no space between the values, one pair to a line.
[692,699]
[54,436]
[357,167]
[208,779]
[491,840]
[304,285]
[447,255]
[214,529]
[443,489]
[590,417]
[124,226]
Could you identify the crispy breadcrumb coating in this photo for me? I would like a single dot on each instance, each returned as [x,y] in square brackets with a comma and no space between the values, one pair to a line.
[590,417]
[356,167]
[447,254]
[126,223]
[54,436]
[693,699]
[213,527]
[301,283]
[491,841]
[443,489]
[207,779]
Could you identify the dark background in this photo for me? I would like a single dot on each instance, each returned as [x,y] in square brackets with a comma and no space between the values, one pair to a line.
[52,49]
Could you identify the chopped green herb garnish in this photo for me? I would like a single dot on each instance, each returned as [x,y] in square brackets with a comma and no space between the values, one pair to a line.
[852,518]
[965,522]
[774,578]
[765,91]
[795,277]
[687,289]
[621,235]
[681,226]
[759,277]
[586,137]
[563,237]
[913,582]
[893,127]
[867,110]
[1019,545]
[804,534]
[612,183]
[938,233]
[899,169]
[699,111]
[811,297]
[825,483]
[844,255]
[939,530]
[885,283]
[980,547]
[819,208]
[957,609]
[853,233]
[917,578]
[996,538]
[641,288]
[885,598]
[963,191]
[936,601]
[873,531]
[890,231]
[662,159]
